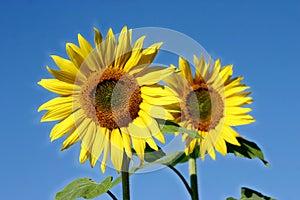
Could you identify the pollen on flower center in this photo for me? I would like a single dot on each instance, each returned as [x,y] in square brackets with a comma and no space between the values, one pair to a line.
[116,99]
[203,107]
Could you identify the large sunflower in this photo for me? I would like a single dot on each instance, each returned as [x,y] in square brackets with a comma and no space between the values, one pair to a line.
[212,102]
[109,98]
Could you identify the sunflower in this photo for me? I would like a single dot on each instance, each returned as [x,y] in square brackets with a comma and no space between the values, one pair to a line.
[212,102]
[109,97]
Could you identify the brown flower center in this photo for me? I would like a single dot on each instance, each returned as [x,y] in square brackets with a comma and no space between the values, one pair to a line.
[203,107]
[114,100]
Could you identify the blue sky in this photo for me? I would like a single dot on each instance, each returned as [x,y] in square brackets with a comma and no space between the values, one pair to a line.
[260,38]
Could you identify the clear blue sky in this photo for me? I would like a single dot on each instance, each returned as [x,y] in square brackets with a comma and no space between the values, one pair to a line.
[261,39]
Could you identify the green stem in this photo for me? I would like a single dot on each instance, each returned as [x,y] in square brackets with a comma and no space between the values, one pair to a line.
[111,195]
[125,178]
[193,176]
[181,178]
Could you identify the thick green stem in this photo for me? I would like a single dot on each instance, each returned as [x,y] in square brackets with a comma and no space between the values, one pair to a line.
[193,176]
[125,178]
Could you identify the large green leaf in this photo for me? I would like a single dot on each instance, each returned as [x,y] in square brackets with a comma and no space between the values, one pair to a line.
[85,188]
[167,126]
[249,194]
[247,150]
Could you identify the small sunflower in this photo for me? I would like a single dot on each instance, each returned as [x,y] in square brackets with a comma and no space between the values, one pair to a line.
[109,98]
[212,102]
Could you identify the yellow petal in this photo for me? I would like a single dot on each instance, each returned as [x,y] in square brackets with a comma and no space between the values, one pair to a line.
[82,127]
[237,120]
[234,90]
[241,94]
[130,36]
[160,100]
[62,128]
[100,48]
[136,55]
[156,111]
[149,54]
[60,112]
[72,138]
[136,70]
[185,69]
[200,64]
[74,54]
[116,149]
[139,146]
[123,48]
[157,90]
[126,142]
[230,135]
[98,37]
[212,154]
[110,48]
[85,46]
[142,70]
[67,77]
[58,86]
[191,146]
[138,129]
[221,146]
[233,82]
[155,76]
[98,145]
[158,135]
[215,72]
[88,138]
[177,83]
[69,72]
[238,101]
[105,153]
[236,110]
[208,145]
[84,154]
[226,73]
[65,65]
[153,129]
[55,103]
[202,69]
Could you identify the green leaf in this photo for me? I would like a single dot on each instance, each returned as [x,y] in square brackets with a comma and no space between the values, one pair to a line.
[247,150]
[85,188]
[167,126]
[249,194]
